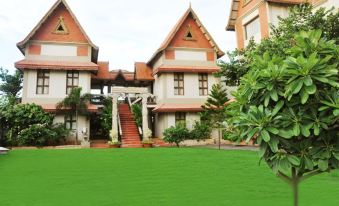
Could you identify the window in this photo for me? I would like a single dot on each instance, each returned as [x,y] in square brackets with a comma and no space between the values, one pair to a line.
[178,83]
[180,117]
[42,86]
[72,80]
[70,122]
[203,84]
[252,29]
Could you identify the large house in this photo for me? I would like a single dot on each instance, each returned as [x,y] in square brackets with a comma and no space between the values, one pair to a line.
[252,18]
[172,85]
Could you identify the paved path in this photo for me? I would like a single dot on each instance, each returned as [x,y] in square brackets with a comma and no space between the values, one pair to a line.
[230,147]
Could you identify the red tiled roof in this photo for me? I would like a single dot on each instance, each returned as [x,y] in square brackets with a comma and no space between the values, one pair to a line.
[52,107]
[105,74]
[188,69]
[172,33]
[172,107]
[143,72]
[56,65]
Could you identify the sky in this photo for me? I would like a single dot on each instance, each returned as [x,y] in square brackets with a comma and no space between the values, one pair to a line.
[126,31]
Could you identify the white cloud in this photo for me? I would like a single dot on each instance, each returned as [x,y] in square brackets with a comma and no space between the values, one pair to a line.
[125,31]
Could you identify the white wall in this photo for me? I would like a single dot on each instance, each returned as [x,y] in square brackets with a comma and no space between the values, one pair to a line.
[58,50]
[328,4]
[164,86]
[57,86]
[83,123]
[190,55]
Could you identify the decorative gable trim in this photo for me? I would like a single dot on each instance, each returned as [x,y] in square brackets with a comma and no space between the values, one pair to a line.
[21,45]
[61,28]
[171,35]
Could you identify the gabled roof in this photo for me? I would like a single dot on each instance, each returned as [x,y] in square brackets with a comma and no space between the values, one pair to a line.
[21,45]
[236,5]
[171,35]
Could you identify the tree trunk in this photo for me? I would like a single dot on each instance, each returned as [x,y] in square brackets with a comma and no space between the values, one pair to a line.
[295,185]
[76,125]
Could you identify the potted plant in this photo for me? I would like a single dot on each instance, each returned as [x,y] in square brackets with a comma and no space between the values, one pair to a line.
[147,143]
[114,142]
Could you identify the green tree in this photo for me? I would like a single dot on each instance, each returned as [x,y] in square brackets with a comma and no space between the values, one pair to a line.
[106,116]
[214,109]
[289,106]
[11,84]
[301,18]
[77,103]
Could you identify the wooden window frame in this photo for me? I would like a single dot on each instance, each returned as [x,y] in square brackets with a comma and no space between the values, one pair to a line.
[180,117]
[70,75]
[203,78]
[70,119]
[178,90]
[44,75]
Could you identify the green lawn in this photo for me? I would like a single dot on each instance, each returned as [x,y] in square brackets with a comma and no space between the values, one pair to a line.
[167,176]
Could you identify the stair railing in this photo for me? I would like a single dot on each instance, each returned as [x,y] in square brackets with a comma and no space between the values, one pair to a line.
[119,127]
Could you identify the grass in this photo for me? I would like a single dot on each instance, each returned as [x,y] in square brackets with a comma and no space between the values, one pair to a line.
[158,177]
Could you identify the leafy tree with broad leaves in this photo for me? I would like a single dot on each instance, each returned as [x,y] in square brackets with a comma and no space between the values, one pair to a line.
[214,109]
[289,106]
[11,84]
[301,18]
[77,103]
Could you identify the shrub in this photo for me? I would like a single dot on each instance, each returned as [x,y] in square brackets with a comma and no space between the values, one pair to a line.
[201,131]
[42,135]
[176,134]
[137,113]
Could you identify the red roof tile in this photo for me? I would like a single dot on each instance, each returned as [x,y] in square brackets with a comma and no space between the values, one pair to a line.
[172,107]
[143,72]
[56,65]
[187,69]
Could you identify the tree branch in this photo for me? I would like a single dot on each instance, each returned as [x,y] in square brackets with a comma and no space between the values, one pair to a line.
[311,174]
[284,177]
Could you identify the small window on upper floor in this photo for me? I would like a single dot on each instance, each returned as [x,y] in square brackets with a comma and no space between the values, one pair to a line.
[252,29]
[178,83]
[42,85]
[189,34]
[61,27]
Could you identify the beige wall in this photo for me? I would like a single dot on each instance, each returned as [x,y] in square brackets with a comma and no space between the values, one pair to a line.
[57,86]
[166,120]
[164,88]
[83,123]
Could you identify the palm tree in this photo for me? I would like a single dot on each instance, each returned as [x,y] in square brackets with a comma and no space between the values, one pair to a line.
[77,103]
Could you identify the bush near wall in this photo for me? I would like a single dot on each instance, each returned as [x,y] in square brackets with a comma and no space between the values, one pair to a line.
[179,133]
[29,125]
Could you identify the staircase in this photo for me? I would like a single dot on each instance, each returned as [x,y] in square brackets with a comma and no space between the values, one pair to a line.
[130,134]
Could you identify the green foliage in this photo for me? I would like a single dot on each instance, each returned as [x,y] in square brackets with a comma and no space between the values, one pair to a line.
[42,135]
[289,106]
[176,134]
[11,84]
[106,117]
[215,106]
[20,124]
[137,113]
[301,18]
[200,131]
[77,103]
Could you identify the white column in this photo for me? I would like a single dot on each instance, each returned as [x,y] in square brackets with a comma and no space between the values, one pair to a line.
[115,113]
[144,117]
